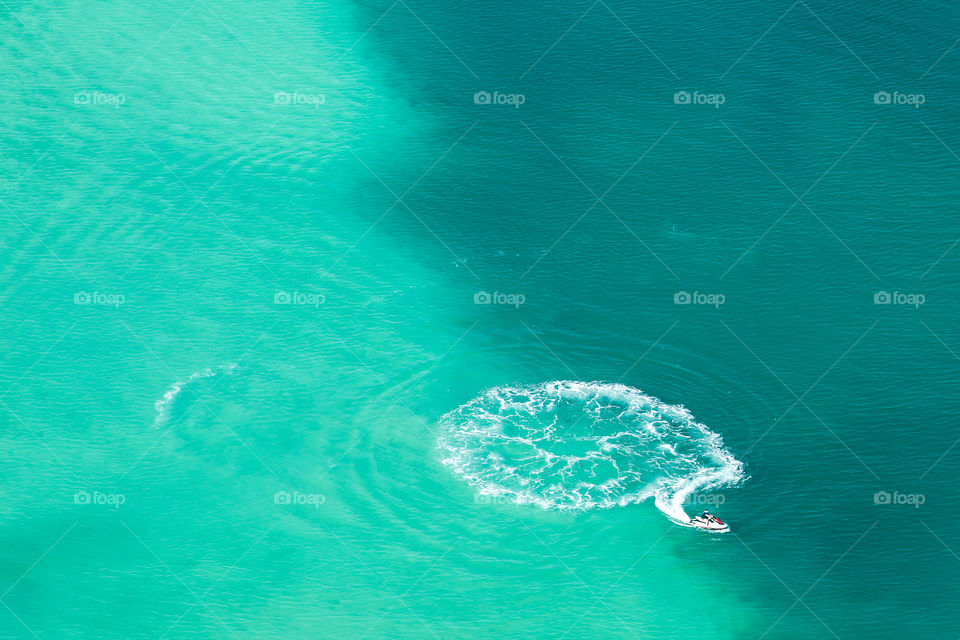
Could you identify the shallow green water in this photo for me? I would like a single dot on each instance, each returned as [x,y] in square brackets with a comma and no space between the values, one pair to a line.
[243,245]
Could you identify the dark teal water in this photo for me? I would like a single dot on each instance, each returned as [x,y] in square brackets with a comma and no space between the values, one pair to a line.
[244,245]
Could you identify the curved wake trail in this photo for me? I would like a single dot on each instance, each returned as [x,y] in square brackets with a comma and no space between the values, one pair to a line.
[163,405]
[573,445]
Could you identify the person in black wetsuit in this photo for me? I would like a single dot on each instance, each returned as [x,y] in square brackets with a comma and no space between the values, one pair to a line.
[706,515]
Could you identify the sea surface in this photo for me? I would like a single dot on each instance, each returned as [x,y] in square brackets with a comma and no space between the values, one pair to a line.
[438,320]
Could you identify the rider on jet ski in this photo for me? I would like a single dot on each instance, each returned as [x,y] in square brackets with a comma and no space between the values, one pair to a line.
[706,515]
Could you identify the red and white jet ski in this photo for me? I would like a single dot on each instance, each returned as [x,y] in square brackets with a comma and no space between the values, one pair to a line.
[709,523]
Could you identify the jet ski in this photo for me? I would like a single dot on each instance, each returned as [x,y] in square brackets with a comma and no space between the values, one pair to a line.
[709,523]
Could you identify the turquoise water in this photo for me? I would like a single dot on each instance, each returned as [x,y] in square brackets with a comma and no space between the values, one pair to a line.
[248,389]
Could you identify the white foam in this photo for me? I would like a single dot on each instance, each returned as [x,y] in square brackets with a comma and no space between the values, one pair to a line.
[574,445]
[162,405]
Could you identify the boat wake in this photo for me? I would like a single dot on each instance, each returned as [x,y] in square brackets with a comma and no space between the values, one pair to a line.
[572,445]
[164,404]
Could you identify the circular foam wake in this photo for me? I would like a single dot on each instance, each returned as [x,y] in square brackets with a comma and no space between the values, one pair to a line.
[584,445]
[162,406]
